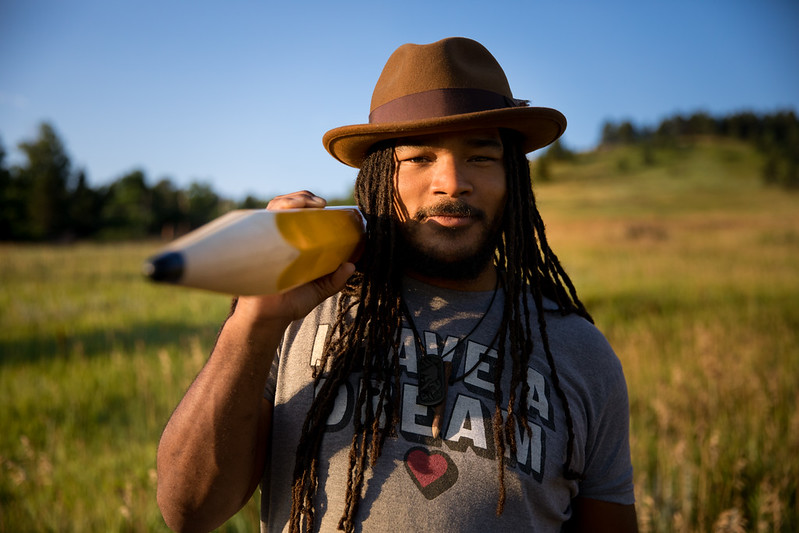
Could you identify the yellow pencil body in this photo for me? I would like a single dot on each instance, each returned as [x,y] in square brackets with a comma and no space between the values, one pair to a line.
[254,251]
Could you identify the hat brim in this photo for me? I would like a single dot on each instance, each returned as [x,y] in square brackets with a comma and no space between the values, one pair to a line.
[540,126]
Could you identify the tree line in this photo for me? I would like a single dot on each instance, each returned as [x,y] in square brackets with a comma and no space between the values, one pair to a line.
[775,135]
[45,199]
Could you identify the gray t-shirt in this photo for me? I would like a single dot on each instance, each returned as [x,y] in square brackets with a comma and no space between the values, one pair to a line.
[450,484]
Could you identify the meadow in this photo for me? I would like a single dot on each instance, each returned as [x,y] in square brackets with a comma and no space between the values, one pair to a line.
[686,261]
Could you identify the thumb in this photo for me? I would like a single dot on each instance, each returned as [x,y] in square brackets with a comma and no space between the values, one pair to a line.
[327,286]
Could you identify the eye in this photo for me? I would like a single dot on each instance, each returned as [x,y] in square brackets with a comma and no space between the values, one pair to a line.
[486,153]
[415,157]
[484,158]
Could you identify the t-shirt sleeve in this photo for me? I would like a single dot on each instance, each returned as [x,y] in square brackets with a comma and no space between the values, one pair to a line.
[608,473]
[271,380]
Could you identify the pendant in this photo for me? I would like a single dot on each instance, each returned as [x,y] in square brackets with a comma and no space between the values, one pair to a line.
[438,414]
[432,382]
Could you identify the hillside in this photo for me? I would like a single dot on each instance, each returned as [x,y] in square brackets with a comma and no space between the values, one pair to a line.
[703,173]
[663,211]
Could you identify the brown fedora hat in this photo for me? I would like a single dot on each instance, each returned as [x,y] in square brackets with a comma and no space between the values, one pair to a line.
[453,84]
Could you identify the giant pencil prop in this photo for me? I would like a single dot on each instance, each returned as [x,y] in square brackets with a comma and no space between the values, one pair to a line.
[255,251]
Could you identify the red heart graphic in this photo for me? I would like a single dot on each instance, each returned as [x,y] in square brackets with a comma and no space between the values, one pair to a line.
[432,472]
[426,468]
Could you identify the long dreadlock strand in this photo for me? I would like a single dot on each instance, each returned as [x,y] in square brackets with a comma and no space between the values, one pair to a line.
[545,276]
[520,376]
[510,330]
[519,192]
[531,267]
[497,422]
[306,467]
[368,314]
[366,335]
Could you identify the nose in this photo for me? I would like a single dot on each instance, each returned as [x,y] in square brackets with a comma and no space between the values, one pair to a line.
[450,178]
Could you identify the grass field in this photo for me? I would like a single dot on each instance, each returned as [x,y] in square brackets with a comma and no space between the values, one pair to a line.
[688,264]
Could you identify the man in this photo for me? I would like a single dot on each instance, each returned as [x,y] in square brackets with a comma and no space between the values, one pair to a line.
[453,381]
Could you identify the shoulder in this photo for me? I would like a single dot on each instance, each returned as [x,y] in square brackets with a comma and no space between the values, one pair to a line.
[587,365]
[578,342]
[593,380]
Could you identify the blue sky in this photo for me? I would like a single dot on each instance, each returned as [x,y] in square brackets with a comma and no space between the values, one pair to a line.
[239,93]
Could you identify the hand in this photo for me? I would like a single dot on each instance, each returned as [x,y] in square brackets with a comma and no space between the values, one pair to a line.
[298,302]
[296,200]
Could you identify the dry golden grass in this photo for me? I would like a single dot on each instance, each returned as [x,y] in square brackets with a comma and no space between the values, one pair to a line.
[690,267]
[699,299]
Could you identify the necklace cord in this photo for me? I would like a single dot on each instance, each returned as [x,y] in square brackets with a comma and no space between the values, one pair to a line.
[418,339]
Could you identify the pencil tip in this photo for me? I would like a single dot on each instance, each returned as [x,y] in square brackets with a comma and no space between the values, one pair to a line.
[167,267]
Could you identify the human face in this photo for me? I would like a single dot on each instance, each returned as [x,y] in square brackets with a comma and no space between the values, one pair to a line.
[450,197]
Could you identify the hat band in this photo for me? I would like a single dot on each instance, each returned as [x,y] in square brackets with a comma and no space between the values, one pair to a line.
[438,103]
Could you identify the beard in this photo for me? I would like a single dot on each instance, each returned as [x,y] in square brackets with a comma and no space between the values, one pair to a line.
[430,261]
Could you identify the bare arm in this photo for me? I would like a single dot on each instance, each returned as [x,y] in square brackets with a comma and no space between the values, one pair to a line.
[213,449]
[597,516]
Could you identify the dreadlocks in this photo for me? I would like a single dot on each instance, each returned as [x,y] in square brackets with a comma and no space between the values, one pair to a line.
[366,335]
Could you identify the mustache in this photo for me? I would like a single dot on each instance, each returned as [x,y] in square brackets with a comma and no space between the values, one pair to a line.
[448,208]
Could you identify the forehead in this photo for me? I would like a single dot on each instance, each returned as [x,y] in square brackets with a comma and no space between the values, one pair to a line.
[470,138]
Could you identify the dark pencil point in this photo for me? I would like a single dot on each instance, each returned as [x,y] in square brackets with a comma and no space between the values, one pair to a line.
[167,267]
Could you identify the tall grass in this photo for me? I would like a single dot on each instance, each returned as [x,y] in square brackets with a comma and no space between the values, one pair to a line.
[689,266]
[93,361]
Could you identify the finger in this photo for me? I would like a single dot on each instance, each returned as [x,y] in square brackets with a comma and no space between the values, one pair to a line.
[329,285]
[296,200]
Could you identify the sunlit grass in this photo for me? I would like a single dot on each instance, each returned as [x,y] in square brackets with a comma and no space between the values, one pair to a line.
[696,288]
[93,361]
[689,266]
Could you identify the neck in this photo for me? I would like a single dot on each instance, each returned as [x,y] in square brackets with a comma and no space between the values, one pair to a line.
[485,281]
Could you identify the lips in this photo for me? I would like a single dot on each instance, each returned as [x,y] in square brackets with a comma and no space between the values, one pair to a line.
[450,221]
[450,214]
